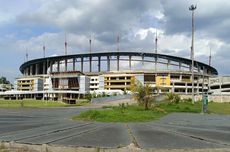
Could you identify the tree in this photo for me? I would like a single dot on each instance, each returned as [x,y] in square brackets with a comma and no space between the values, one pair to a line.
[142,94]
[3,80]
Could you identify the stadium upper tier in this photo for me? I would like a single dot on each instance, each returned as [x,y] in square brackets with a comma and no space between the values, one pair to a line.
[108,61]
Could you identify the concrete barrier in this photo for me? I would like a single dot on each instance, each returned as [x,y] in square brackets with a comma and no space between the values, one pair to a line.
[111,98]
[214,98]
[16,147]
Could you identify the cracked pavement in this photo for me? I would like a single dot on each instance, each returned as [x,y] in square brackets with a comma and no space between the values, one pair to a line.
[54,126]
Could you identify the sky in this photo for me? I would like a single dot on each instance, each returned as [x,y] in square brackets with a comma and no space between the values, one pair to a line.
[27,25]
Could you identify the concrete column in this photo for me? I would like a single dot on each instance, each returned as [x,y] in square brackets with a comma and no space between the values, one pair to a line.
[99,64]
[186,88]
[66,65]
[173,88]
[37,69]
[31,70]
[198,68]
[74,61]
[118,57]
[58,66]
[28,71]
[179,65]
[44,68]
[142,59]
[82,60]
[108,63]
[155,63]
[51,66]
[130,64]
[90,64]
[197,85]
[168,64]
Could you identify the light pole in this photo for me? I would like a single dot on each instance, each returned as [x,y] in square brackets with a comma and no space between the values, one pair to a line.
[192,8]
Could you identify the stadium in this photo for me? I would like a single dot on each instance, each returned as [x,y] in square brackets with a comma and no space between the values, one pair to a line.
[72,76]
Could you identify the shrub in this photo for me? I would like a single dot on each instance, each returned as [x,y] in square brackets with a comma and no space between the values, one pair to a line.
[142,94]
[104,94]
[173,98]
[88,96]
[125,92]
[114,94]
[94,95]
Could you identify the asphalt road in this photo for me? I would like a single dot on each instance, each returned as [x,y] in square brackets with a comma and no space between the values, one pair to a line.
[53,126]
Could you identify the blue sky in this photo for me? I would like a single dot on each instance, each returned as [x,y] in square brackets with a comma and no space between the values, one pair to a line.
[27,24]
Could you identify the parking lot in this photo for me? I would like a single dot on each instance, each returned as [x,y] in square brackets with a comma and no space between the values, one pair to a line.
[54,126]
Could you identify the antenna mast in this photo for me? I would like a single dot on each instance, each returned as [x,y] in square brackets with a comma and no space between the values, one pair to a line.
[27,56]
[65,45]
[210,57]
[118,41]
[44,50]
[192,8]
[90,45]
[156,39]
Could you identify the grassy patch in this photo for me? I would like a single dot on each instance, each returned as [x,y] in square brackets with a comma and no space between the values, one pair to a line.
[133,113]
[30,103]
[219,108]
[119,114]
[181,107]
[81,102]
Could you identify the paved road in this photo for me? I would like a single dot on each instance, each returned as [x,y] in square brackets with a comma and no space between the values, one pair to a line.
[53,126]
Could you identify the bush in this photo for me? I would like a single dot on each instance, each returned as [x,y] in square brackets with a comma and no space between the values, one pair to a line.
[88,96]
[114,94]
[125,92]
[173,98]
[104,94]
[94,95]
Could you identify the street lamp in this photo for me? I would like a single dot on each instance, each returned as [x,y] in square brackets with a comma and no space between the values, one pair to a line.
[192,8]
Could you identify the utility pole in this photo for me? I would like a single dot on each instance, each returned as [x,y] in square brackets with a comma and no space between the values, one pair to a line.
[192,8]
[210,57]
[65,45]
[156,39]
[44,50]
[90,45]
[118,41]
[27,56]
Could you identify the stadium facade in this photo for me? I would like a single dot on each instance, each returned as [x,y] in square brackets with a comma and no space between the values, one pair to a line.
[72,76]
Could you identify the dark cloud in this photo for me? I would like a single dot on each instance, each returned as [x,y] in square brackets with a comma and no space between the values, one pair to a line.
[211,18]
[104,18]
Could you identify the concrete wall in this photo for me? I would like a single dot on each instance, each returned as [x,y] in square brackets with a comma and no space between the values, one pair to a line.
[101,82]
[84,83]
[214,98]
[112,98]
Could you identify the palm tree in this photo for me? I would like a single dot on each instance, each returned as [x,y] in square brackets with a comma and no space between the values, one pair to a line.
[142,94]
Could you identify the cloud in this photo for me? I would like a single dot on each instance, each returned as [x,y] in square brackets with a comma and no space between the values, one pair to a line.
[210,18]
[27,25]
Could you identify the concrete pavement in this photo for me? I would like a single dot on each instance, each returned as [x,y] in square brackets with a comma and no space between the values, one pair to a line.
[53,126]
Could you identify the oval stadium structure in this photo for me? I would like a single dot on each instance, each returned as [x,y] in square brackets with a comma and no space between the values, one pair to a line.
[72,76]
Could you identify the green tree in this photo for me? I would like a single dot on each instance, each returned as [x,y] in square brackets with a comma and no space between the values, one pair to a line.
[3,80]
[142,94]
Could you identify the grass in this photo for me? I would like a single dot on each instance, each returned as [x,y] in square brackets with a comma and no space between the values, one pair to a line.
[134,113]
[219,108]
[31,103]
[181,107]
[119,114]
